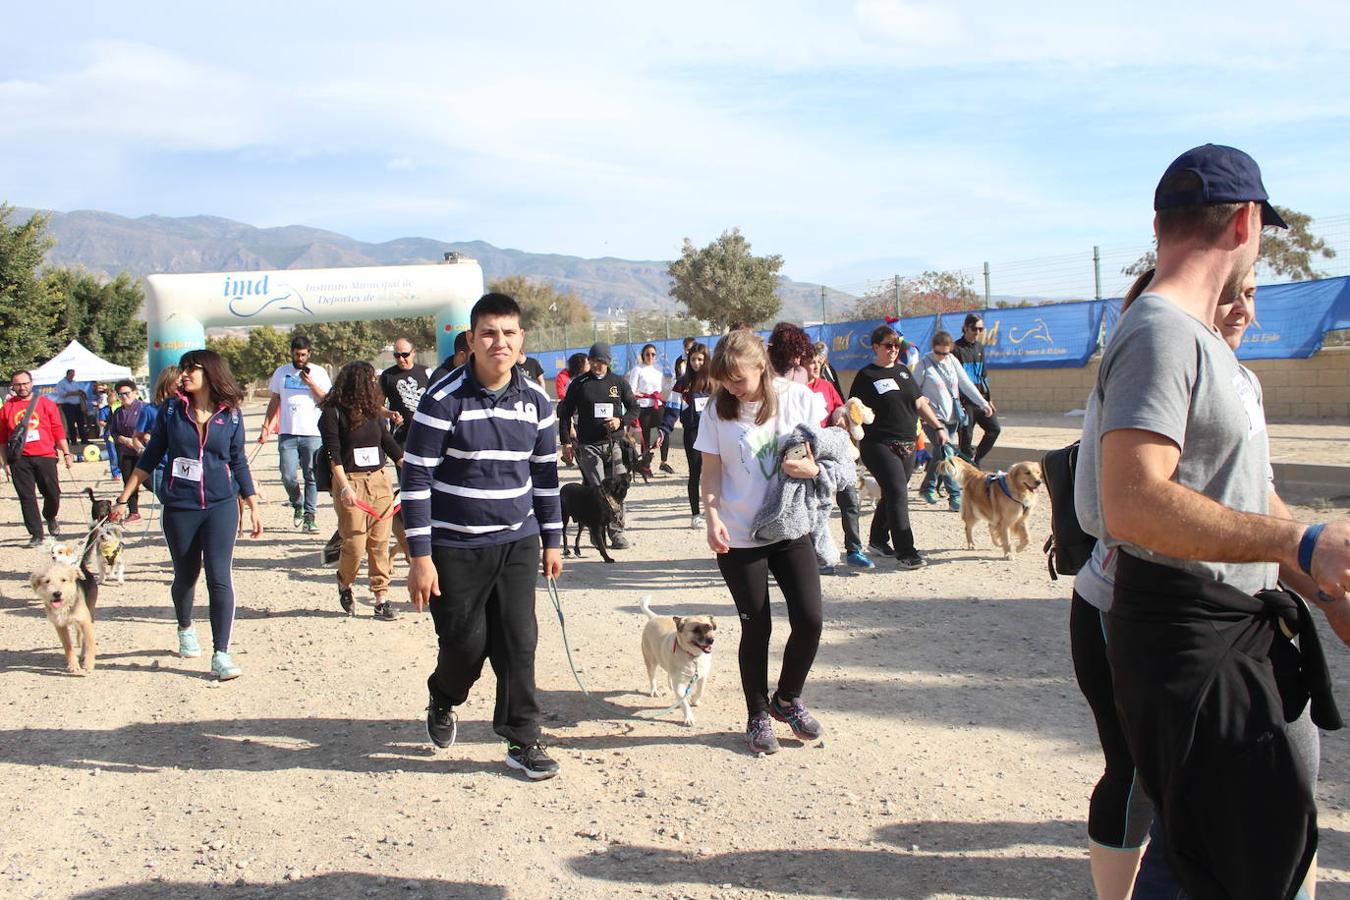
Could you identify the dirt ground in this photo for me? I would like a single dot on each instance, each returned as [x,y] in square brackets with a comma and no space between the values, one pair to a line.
[958,760]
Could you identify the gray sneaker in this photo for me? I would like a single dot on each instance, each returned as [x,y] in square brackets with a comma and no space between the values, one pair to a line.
[759,736]
[804,725]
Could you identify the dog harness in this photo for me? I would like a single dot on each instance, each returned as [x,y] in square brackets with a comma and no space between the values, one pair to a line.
[1001,479]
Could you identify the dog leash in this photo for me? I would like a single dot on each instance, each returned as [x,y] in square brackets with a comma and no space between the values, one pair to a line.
[609,708]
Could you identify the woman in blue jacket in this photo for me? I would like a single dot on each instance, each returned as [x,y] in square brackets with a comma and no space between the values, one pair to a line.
[200,433]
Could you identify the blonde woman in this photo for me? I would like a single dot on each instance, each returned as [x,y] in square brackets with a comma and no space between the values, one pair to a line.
[738,437]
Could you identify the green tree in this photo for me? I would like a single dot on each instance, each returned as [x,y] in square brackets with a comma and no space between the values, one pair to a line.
[723,283]
[266,349]
[233,350]
[337,343]
[1291,252]
[1284,253]
[101,315]
[30,314]
[421,331]
[541,304]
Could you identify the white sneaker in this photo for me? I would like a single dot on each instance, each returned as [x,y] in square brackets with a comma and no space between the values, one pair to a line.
[697,522]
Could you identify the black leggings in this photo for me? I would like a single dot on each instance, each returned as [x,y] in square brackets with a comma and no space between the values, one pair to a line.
[746,572]
[1120,813]
[695,460]
[197,536]
[890,521]
[966,433]
[649,420]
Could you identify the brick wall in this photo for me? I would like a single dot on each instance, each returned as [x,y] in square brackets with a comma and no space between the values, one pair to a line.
[1313,388]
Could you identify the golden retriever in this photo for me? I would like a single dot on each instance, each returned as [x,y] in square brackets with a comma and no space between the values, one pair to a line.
[68,597]
[1003,501]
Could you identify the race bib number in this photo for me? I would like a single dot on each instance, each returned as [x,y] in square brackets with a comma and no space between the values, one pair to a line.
[885,385]
[366,457]
[1256,418]
[604,410]
[32,435]
[700,403]
[646,402]
[187,469]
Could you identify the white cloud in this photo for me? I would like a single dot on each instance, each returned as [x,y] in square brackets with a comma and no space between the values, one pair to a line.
[830,133]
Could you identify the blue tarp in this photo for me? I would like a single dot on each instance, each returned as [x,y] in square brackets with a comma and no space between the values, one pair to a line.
[1291,320]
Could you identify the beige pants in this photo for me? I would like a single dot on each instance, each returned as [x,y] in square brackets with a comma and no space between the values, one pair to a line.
[360,531]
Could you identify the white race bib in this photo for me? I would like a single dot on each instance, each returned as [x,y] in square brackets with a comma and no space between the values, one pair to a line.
[646,402]
[604,410]
[366,457]
[187,468]
[884,385]
[32,435]
[700,403]
[1256,419]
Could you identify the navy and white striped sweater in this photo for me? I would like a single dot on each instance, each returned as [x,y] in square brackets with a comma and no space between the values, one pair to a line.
[479,471]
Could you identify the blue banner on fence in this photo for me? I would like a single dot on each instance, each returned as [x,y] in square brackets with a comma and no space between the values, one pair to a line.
[1291,320]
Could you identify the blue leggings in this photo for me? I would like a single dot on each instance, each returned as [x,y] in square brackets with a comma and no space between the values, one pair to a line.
[197,536]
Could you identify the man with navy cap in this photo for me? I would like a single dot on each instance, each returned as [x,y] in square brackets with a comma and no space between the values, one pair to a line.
[599,402]
[1209,686]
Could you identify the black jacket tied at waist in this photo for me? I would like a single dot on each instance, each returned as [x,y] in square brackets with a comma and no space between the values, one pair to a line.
[1206,682]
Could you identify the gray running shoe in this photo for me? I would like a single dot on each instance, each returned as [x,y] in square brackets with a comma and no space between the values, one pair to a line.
[804,725]
[759,736]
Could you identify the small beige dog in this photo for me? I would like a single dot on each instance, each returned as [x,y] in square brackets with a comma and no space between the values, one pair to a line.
[682,645]
[68,597]
[1005,501]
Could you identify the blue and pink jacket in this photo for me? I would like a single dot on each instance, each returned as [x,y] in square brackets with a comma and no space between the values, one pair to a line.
[225,473]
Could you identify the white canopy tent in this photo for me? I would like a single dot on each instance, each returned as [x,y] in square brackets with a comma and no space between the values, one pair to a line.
[87,366]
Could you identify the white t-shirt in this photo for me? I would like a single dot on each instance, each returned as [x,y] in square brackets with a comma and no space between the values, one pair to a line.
[749,452]
[299,413]
[645,380]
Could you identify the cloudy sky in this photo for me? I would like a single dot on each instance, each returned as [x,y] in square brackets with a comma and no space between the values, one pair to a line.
[855,139]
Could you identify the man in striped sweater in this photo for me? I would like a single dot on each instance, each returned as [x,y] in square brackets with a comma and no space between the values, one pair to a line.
[480,495]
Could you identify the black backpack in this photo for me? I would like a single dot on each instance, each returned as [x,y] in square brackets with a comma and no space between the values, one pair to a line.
[1068,548]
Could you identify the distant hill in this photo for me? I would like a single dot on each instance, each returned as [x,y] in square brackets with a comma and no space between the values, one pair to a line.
[108,243]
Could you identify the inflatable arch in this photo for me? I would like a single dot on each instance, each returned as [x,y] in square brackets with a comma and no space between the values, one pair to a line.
[179,308]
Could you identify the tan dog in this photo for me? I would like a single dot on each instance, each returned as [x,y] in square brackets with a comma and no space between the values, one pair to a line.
[682,645]
[68,596]
[1003,501]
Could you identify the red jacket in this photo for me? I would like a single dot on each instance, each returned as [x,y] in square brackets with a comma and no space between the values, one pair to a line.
[46,422]
[831,397]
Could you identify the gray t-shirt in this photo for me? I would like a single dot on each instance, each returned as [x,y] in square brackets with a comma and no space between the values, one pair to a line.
[1167,372]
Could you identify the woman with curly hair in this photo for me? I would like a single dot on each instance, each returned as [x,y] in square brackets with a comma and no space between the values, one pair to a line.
[358,446]
[790,349]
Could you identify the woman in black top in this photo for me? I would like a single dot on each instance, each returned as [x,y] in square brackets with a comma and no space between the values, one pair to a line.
[358,445]
[886,387]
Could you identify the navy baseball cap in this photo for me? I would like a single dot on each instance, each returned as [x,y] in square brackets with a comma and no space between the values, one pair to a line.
[600,352]
[1227,175]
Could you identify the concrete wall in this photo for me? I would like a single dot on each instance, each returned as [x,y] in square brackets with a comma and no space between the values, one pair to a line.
[1313,388]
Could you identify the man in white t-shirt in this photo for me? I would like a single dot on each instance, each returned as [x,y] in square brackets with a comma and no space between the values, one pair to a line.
[293,413]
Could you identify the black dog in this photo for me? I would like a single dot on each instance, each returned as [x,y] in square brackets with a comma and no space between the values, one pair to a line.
[634,461]
[594,507]
[99,510]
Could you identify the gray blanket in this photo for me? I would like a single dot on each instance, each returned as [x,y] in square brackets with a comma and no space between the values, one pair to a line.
[797,506]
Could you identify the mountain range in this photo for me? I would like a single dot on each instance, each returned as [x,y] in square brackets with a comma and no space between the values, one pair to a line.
[108,243]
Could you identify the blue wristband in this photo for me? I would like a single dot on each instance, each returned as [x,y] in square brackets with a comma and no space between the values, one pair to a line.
[1307,545]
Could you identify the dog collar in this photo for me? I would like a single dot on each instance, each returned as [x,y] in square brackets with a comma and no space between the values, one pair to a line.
[1001,479]
[677,646]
